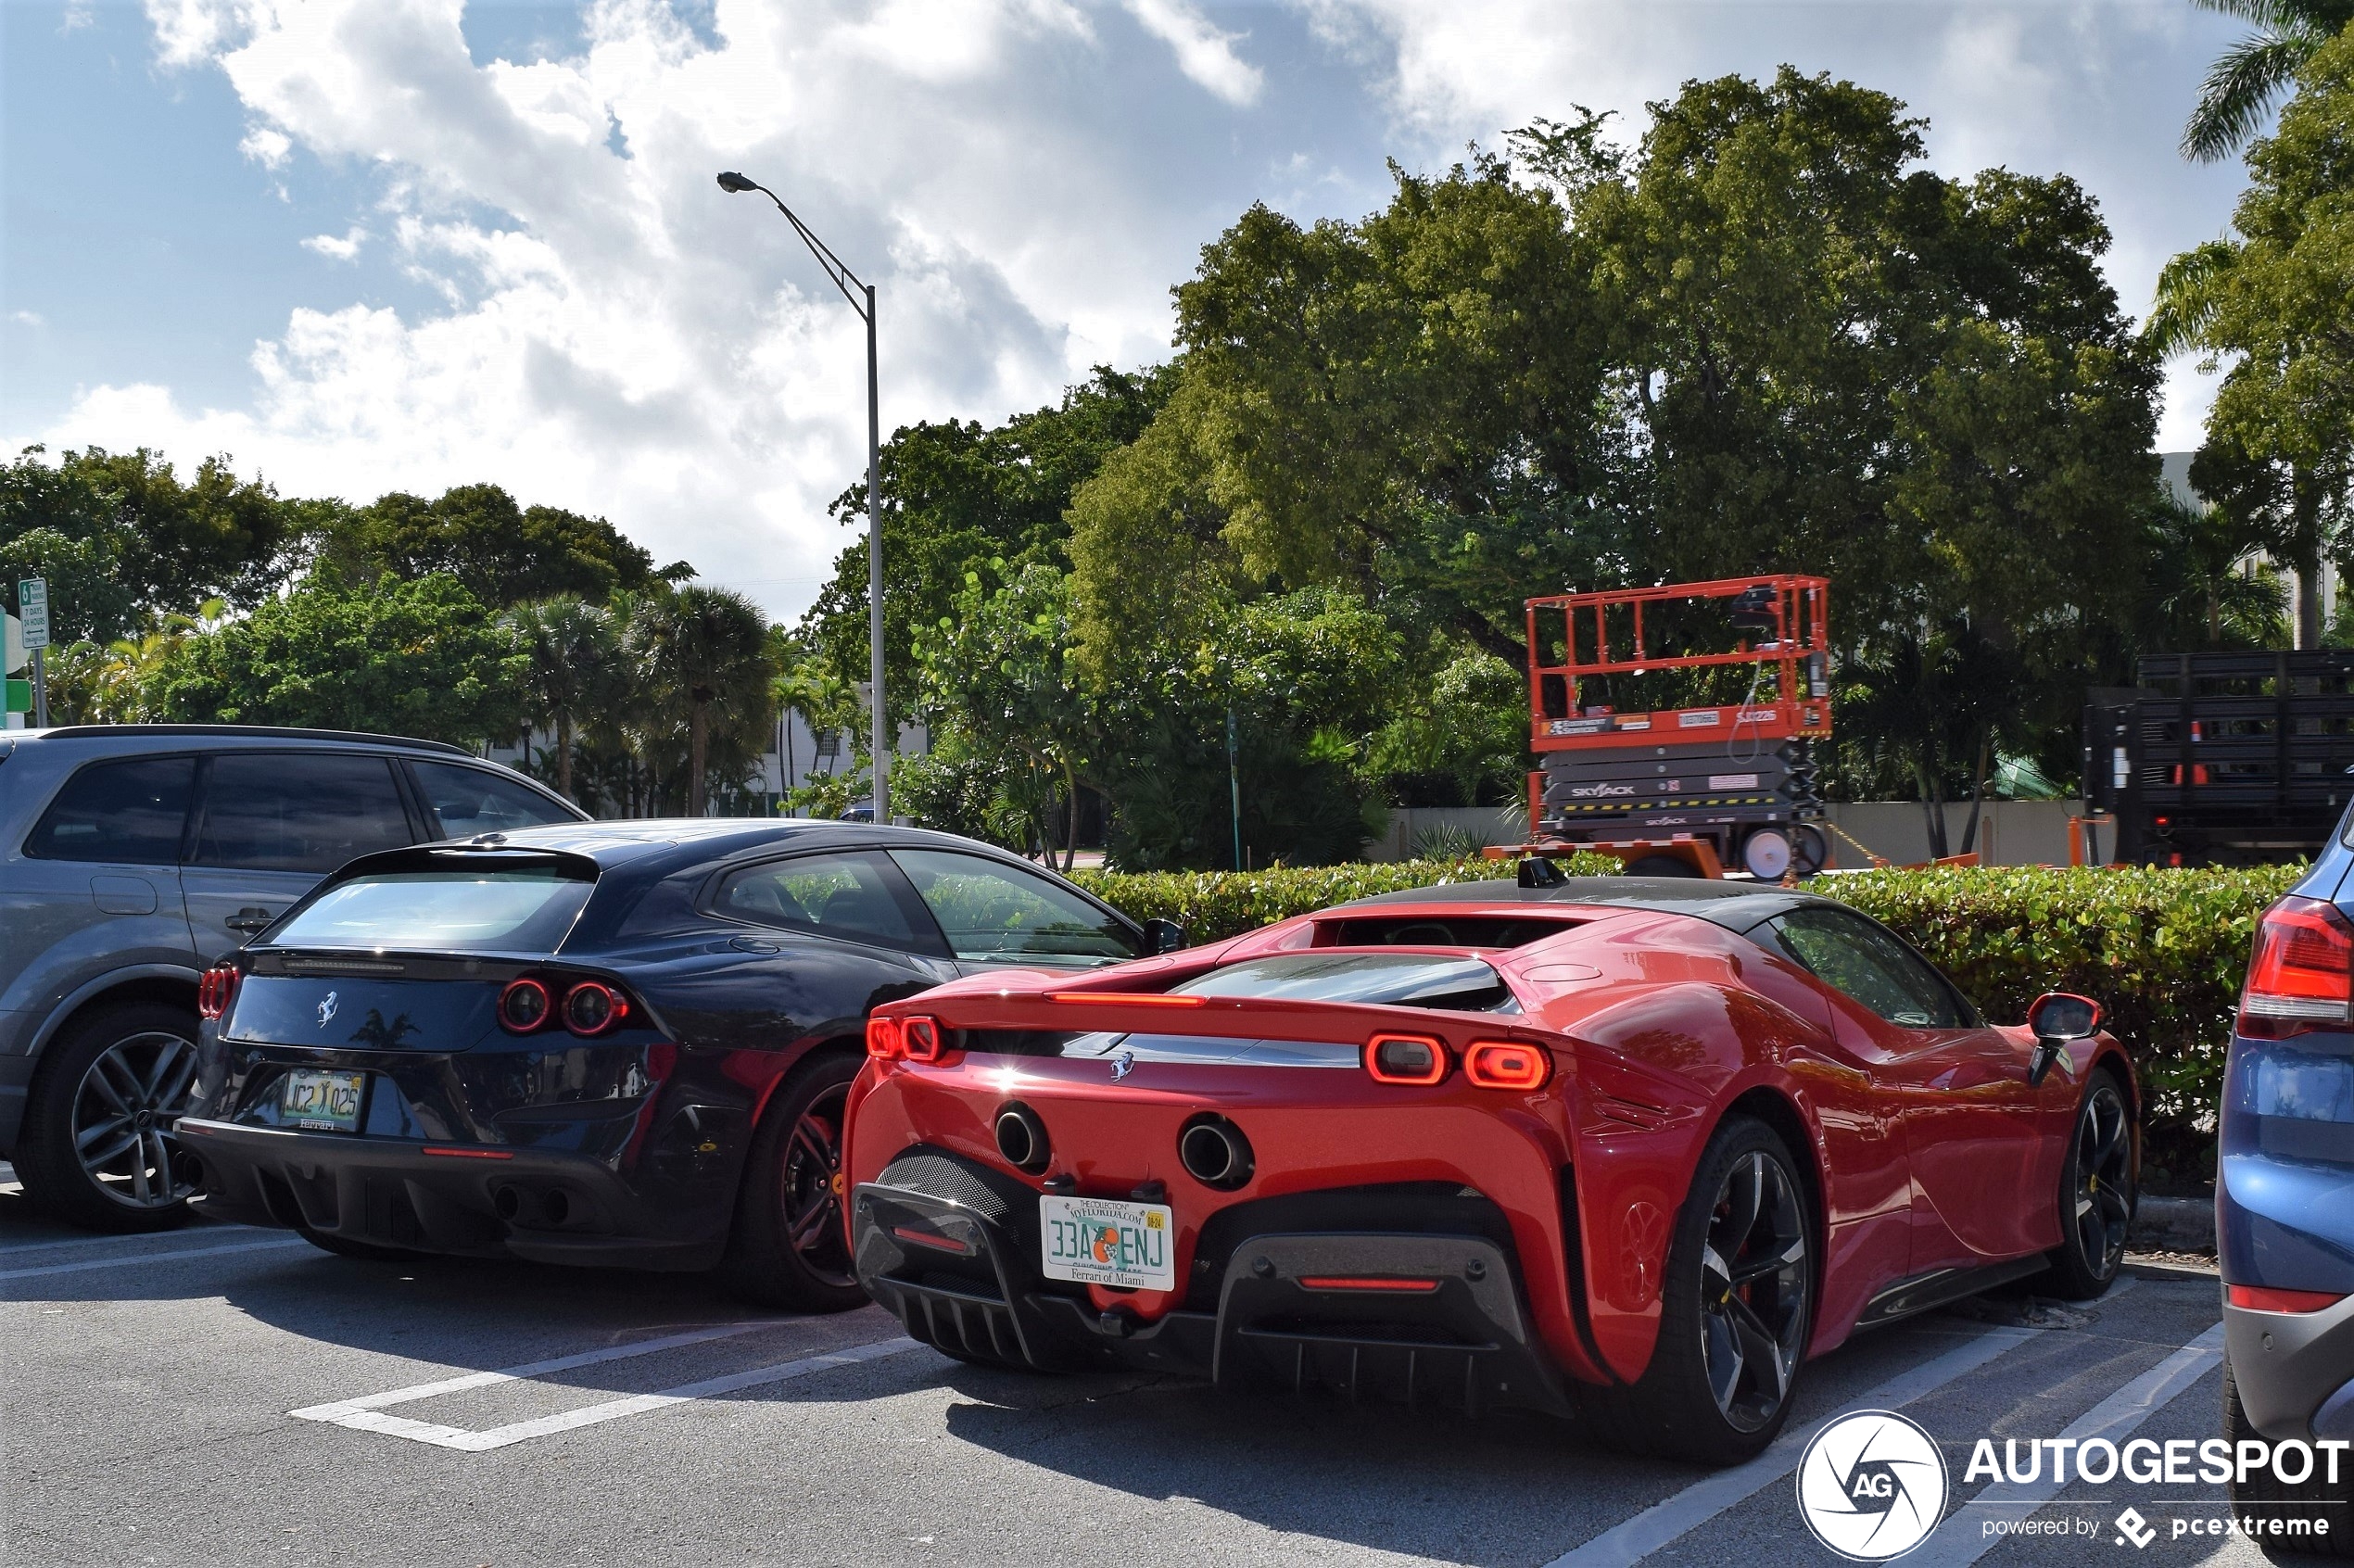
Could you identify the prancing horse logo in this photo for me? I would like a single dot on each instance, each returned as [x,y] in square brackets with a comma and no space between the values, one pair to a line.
[1122,1065]
[327,1010]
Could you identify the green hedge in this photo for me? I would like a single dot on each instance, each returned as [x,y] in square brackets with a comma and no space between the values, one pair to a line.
[2163,950]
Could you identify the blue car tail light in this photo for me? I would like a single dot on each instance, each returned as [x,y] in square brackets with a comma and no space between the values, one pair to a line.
[2301,975]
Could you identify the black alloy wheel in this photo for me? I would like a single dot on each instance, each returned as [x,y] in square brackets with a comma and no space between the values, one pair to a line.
[1753,1291]
[1737,1303]
[810,1197]
[99,1146]
[787,1246]
[2097,1191]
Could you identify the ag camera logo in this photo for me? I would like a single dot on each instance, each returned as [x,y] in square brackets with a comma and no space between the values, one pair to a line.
[1871,1486]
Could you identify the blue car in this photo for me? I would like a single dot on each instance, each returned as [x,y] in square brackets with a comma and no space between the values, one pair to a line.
[2284,1199]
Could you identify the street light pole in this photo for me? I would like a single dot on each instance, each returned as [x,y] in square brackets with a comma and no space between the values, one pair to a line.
[861,295]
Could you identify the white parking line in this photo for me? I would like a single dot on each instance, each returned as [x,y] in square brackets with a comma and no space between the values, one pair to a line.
[77,1243]
[365,1414]
[1961,1539]
[1703,1500]
[150,1257]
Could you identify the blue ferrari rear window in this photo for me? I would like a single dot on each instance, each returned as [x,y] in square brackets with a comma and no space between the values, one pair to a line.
[441,912]
[1396,979]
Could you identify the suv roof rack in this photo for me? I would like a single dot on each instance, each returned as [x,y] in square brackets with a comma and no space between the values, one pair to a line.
[274,732]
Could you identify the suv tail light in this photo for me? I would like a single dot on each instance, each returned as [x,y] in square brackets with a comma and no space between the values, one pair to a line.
[216,990]
[2301,974]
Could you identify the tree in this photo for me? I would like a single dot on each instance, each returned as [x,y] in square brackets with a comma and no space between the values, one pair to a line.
[2279,452]
[957,497]
[2241,86]
[504,554]
[213,536]
[701,648]
[420,658]
[575,668]
[57,526]
[1766,340]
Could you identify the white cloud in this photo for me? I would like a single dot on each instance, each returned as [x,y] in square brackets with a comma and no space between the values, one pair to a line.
[1203,53]
[27,318]
[335,247]
[616,334]
[267,146]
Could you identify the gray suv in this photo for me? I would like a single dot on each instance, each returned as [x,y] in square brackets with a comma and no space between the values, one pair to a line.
[130,857]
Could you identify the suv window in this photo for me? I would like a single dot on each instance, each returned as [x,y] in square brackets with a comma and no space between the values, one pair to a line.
[988,911]
[298,811]
[1852,955]
[132,810]
[466,801]
[850,896]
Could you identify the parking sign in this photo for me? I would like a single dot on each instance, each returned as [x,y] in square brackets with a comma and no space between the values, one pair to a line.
[33,609]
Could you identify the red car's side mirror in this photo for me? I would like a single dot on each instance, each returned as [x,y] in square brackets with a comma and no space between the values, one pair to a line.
[2055,1019]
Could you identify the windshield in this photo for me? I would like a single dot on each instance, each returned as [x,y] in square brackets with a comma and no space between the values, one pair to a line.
[1399,979]
[441,912]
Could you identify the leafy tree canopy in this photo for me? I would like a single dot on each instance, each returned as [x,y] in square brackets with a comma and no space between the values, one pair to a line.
[502,553]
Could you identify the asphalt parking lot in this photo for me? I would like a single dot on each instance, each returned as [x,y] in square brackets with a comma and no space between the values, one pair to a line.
[219,1395]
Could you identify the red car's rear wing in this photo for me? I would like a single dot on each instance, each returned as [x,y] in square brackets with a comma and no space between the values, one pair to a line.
[1225,1018]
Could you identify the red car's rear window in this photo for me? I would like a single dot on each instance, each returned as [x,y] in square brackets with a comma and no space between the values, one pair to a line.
[1396,979]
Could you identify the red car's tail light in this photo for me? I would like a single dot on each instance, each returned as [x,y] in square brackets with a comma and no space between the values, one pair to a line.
[1128,998]
[1415,1288]
[525,1005]
[1405,1059]
[2262,1298]
[1506,1064]
[2302,971]
[593,1007]
[216,990]
[886,1041]
[919,1039]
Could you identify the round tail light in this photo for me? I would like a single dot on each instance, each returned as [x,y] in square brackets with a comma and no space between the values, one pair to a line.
[592,1007]
[525,1005]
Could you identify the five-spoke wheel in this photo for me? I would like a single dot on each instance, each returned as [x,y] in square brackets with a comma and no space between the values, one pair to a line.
[2097,1191]
[1737,1303]
[1753,1291]
[99,1145]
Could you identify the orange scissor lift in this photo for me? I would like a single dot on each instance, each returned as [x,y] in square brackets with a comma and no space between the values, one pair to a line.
[1680,790]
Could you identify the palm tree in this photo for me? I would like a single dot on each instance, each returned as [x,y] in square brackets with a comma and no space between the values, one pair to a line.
[575,667]
[2242,85]
[708,646]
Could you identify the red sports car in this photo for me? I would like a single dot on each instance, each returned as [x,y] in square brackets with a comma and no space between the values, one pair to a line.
[1617,1147]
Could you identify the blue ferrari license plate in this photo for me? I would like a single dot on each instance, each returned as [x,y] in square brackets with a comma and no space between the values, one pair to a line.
[1098,1241]
[324,1102]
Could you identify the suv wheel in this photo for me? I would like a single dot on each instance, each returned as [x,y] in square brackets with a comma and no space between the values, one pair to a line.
[98,1148]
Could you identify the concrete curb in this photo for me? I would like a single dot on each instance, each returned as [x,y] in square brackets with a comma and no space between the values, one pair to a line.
[2170,1224]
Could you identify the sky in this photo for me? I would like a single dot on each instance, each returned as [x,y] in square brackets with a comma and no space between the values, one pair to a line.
[373,245]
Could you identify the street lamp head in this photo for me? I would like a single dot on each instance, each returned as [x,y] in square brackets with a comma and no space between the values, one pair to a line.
[734,183]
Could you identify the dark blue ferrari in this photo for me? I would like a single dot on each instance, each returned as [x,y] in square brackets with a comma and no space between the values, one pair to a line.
[600,1043]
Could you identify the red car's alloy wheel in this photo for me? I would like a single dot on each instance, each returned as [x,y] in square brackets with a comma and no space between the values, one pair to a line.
[2103,1167]
[1754,1281]
[807,1198]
